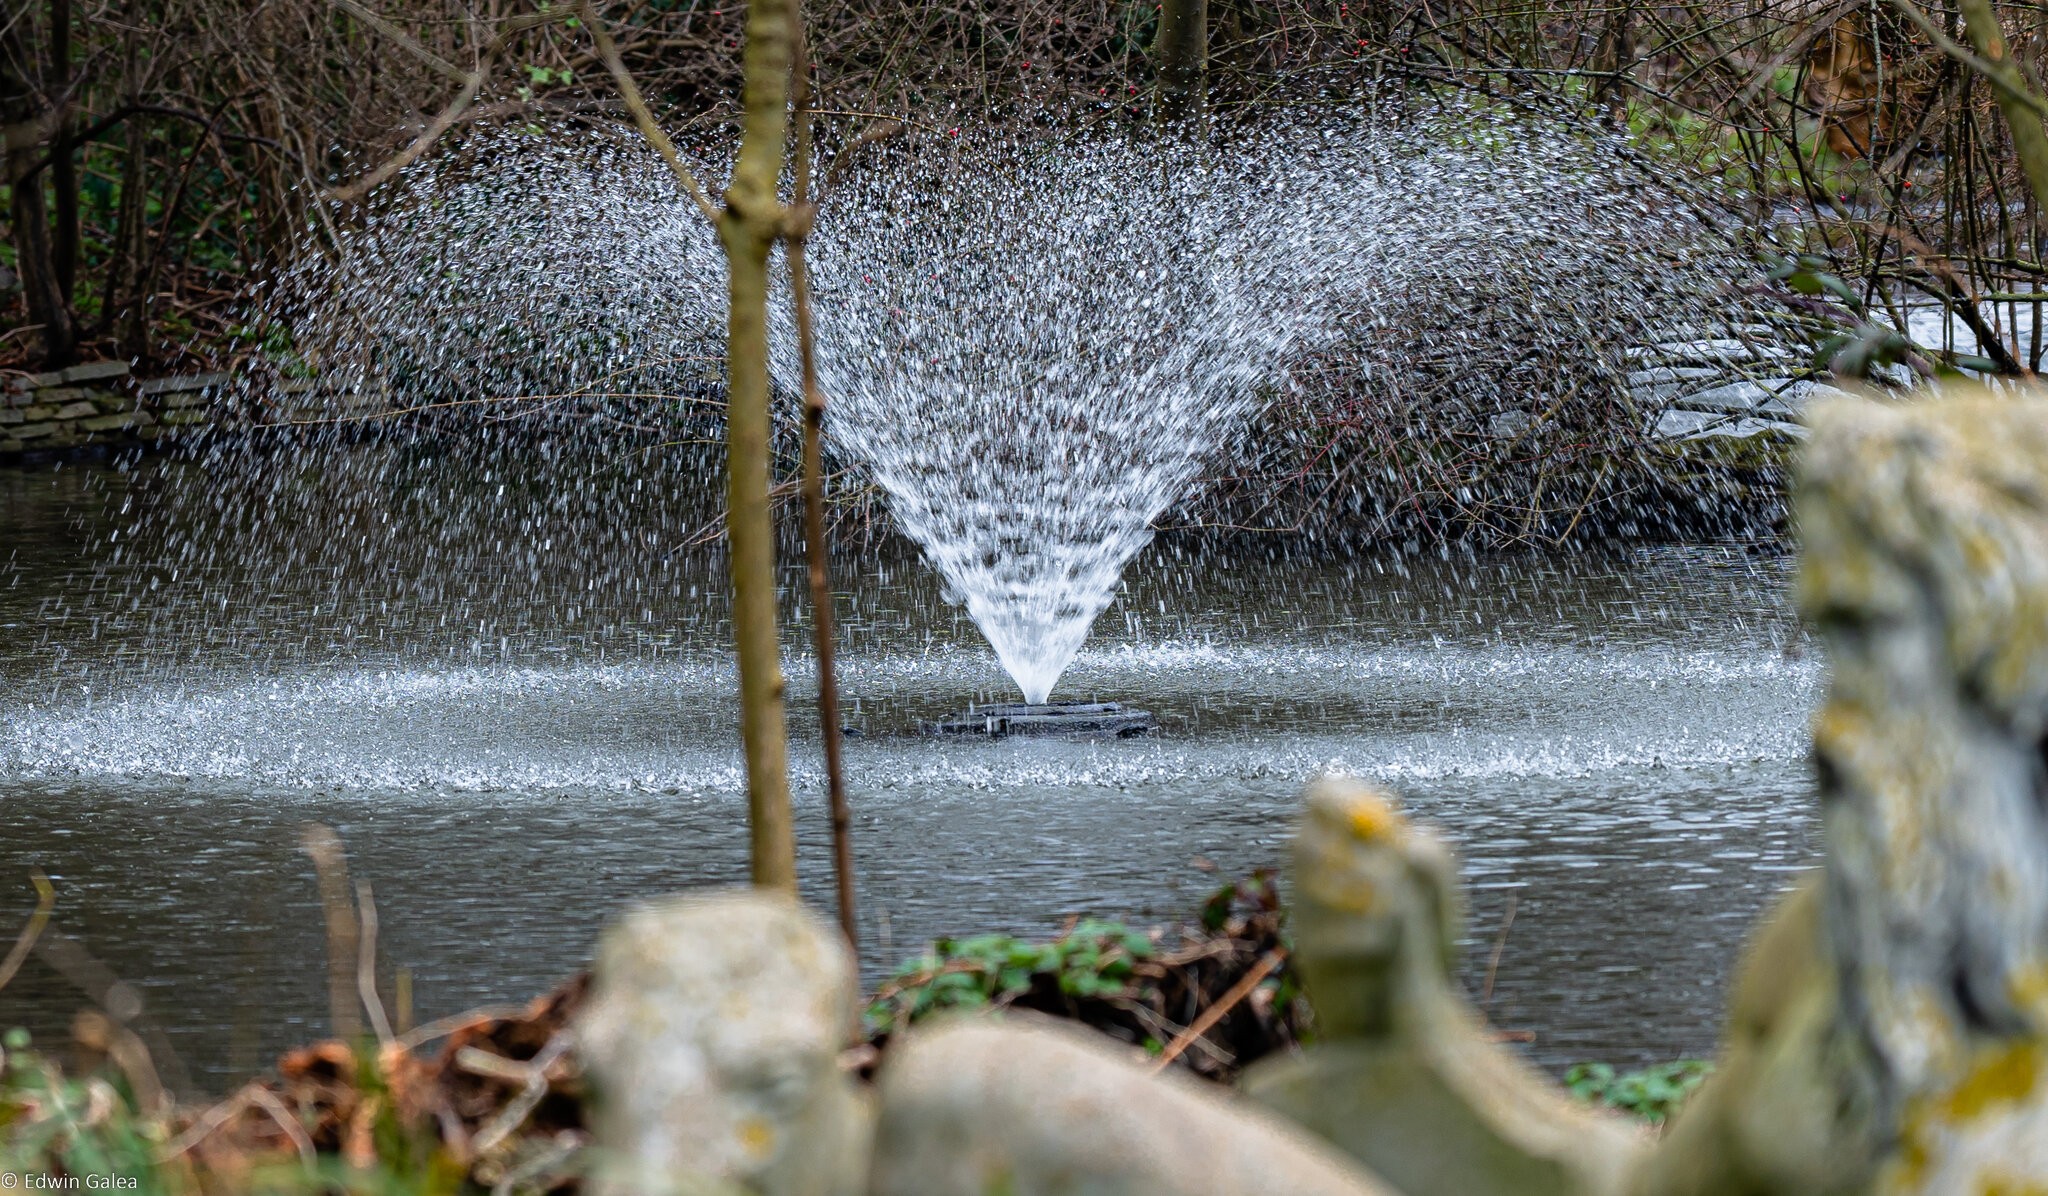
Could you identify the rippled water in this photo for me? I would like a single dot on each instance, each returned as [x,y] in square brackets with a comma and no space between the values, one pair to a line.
[1615,743]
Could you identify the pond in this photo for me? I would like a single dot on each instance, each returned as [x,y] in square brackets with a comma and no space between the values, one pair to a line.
[506,685]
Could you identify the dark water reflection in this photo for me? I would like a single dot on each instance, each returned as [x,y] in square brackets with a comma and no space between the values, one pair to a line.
[515,740]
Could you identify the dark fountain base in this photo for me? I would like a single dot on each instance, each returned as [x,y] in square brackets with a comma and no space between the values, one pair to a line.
[1067,720]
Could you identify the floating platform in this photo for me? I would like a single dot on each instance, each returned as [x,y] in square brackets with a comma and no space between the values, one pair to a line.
[1066,720]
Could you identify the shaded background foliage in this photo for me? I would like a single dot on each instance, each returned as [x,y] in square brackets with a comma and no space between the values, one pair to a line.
[165,158]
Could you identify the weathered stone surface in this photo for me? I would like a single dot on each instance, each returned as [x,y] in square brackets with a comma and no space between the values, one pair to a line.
[108,402]
[176,400]
[1027,1107]
[36,431]
[116,422]
[9,416]
[39,412]
[94,371]
[1926,569]
[157,386]
[1679,424]
[1401,1075]
[77,410]
[713,1037]
[183,416]
[1890,1032]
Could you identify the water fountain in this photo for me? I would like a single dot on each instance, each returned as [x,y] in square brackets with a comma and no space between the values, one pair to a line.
[1035,343]
[1034,346]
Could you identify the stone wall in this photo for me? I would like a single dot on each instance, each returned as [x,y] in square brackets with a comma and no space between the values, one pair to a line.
[100,404]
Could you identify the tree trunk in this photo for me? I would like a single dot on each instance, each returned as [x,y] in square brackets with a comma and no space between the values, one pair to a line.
[63,164]
[126,306]
[1183,50]
[22,113]
[750,225]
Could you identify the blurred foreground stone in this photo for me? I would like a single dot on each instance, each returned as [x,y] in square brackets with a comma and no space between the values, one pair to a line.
[1401,1074]
[713,1036]
[1887,1033]
[1033,1107]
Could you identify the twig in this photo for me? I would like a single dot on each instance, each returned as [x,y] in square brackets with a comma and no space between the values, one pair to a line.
[209,1121]
[472,83]
[1500,944]
[331,866]
[520,1107]
[1214,1013]
[798,223]
[629,91]
[419,1036]
[46,901]
[285,1121]
[366,963]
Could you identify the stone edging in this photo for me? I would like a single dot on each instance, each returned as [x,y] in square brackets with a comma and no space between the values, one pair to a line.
[99,403]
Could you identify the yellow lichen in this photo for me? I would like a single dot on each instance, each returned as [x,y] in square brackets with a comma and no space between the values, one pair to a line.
[2005,1075]
[1372,819]
[756,1136]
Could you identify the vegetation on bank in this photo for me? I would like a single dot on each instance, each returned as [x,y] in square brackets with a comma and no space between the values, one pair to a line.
[167,157]
[497,1102]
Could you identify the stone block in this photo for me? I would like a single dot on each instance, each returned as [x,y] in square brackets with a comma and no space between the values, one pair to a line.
[177,399]
[77,410]
[108,403]
[157,386]
[712,1038]
[94,371]
[10,445]
[111,423]
[1028,1107]
[185,417]
[60,395]
[11,416]
[36,431]
[39,411]
[38,381]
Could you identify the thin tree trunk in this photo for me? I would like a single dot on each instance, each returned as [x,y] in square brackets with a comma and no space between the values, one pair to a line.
[816,548]
[2029,139]
[63,166]
[22,112]
[750,225]
[1183,49]
[126,308]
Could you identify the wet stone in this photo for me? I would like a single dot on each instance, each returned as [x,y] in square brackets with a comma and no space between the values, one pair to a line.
[77,410]
[109,423]
[94,371]
[182,382]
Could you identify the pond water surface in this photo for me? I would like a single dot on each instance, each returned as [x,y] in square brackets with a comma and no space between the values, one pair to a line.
[515,707]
